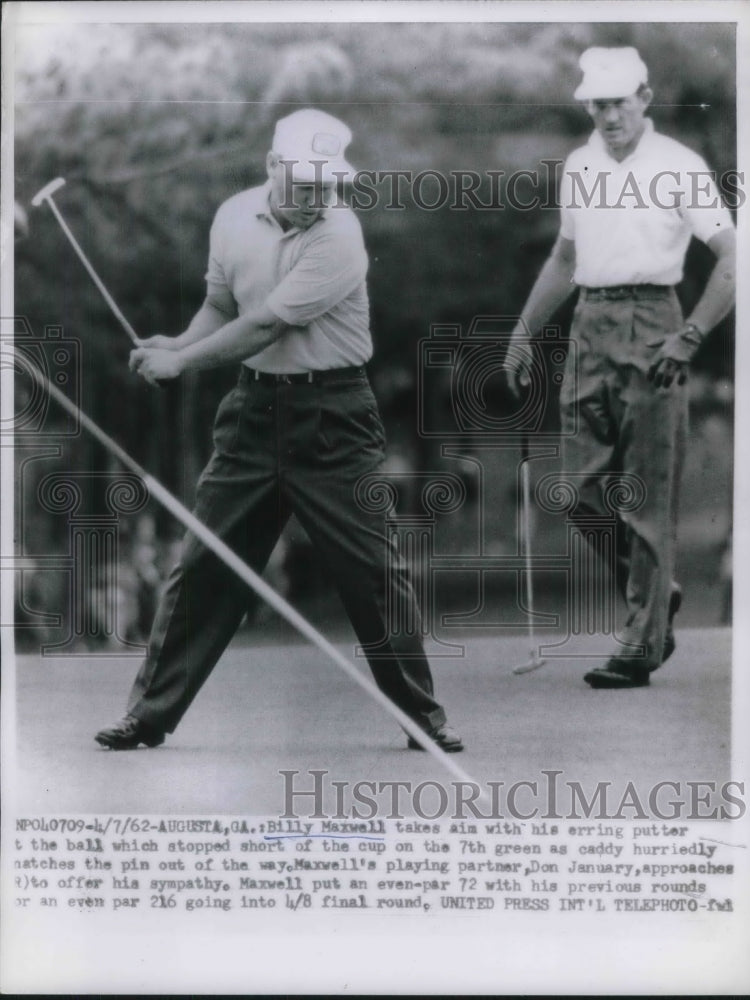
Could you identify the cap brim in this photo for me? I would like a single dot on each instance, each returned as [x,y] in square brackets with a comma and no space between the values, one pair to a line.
[319,171]
[605,93]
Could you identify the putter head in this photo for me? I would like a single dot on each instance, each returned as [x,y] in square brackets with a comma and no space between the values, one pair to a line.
[47,191]
[533,664]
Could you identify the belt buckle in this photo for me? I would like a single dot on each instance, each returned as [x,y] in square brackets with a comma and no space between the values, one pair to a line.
[285,379]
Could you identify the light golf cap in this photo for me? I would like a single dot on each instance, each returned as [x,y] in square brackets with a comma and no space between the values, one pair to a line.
[610,74]
[316,141]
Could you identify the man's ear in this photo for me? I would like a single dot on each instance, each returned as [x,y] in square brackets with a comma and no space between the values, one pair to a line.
[272,161]
[646,95]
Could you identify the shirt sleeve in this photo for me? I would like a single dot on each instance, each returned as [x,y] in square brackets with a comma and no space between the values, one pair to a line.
[215,275]
[332,264]
[701,205]
[567,222]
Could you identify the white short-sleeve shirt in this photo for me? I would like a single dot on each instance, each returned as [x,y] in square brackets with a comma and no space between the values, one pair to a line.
[313,279]
[632,221]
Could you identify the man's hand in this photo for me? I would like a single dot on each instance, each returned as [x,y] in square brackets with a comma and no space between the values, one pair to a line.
[675,353]
[517,368]
[155,364]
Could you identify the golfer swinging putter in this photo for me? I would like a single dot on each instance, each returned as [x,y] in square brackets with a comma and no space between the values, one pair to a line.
[631,199]
[287,301]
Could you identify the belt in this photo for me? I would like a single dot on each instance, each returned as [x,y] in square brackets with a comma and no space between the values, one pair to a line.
[644,290]
[302,378]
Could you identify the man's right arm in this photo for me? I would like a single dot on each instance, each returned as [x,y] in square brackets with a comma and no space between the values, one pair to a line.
[219,307]
[553,286]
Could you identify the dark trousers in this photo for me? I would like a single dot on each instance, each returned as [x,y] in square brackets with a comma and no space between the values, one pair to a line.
[282,449]
[625,424]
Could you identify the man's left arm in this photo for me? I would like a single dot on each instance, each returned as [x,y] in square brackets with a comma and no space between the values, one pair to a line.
[718,296]
[677,350]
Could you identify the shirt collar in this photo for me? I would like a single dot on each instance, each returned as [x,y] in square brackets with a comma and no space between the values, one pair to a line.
[598,142]
[264,211]
[264,202]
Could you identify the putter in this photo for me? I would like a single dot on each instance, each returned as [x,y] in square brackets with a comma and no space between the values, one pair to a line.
[46,195]
[534,661]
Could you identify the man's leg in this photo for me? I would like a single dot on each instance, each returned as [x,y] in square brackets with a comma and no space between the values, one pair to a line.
[204,601]
[650,427]
[201,609]
[589,446]
[653,432]
[369,574]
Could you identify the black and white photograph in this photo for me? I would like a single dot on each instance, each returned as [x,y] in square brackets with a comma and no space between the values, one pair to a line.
[373,553]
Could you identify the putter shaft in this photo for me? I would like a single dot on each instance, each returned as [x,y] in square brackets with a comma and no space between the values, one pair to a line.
[46,195]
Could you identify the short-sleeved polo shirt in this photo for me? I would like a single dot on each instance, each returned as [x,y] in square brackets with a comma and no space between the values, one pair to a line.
[632,221]
[313,279]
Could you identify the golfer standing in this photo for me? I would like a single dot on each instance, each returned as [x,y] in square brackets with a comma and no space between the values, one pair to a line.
[287,301]
[631,199]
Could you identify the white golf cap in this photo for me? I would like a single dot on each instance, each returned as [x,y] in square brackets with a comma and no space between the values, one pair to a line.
[610,73]
[316,141]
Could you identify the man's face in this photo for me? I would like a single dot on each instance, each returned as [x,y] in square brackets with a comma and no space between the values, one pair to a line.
[295,203]
[620,121]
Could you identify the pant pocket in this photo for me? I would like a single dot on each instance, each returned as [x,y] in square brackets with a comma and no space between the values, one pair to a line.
[655,319]
[227,423]
[350,420]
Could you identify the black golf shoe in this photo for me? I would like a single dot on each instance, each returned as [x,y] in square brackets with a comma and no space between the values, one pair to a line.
[128,734]
[445,737]
[618,674]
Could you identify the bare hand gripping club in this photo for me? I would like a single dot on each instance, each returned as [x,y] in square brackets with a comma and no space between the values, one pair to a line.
[46,195]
